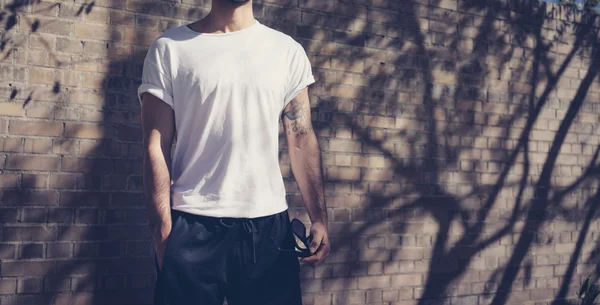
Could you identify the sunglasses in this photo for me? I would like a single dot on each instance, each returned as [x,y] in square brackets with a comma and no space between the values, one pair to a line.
[299,230]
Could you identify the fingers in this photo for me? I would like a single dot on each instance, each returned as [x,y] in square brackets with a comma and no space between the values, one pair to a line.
[321,253]
[159,256]
[309,260]
[159,248]
[316,241]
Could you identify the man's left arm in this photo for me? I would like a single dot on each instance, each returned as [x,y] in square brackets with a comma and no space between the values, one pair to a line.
[305,159]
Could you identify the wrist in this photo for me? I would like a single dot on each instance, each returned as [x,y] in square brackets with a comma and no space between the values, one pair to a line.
[320,223]
[161,230]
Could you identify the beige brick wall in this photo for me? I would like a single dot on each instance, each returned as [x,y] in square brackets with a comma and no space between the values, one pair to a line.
[459,143]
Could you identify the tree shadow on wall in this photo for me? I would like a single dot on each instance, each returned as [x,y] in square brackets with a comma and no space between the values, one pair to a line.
[74,226]
[425,77]
[459,150]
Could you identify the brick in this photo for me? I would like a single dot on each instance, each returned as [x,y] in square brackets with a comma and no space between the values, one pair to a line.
[8,180]
[68,78]
[87,131]
[7,251]
[86,165]
[56,284]
[382,16]
[97,32]
[118,4]
[375,268]
[35,128]
[92,80]
[30,198]
[40,146]
[60,216]
[347,65]
[62,181]
[97,15]
[350,297]
[337,284]
[92,216]
[21,162]
[49,26]
[284,12]
[390,295]
[519,297]
[11,144]
[379,122]
[378,175]
[146,22]
[78,298]
[8,216]
[45,8]
[41,76]
[8,286]
[68,198]
[344,145]
[110,249]
[372,255]
[119,18]
[29,285]
[40,111]
[11,109]
[58,250]
[564,248]
[323,299]
[403,280]
[94,48]
[343,173]
[346,92]
[82,233]
[31,233]
[371,282]
[65,147]
[84,250]
[542,294]
[140,37]
[70,12]
[36,215]
[322,6]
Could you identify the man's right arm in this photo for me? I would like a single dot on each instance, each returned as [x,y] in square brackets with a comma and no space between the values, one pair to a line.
[158,124]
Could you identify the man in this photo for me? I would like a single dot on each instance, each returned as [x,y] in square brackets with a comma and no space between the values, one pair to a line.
[221,228]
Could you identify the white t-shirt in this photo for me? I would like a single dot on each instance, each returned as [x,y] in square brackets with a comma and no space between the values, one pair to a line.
[228,92]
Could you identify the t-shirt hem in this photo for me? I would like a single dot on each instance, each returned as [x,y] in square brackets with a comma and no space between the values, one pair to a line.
[231,209]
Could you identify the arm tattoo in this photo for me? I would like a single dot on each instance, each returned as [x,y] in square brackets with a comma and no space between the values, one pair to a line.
[299,118]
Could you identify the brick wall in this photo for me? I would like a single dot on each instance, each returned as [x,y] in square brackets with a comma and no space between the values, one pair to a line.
[459,142]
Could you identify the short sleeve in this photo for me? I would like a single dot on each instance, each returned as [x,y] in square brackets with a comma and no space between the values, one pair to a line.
[156,78]
[300,73]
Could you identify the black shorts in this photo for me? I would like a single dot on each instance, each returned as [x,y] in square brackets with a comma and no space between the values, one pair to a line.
[209,259]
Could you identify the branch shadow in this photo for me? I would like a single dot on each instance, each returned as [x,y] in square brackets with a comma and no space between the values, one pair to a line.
[74,225]
[460,224]
[418,134]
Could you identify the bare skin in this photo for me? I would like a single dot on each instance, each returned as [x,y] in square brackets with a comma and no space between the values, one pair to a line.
[225,16]
[305,158]
[158,124]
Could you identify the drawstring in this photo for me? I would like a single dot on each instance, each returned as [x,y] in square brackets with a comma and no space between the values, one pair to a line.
[249,228]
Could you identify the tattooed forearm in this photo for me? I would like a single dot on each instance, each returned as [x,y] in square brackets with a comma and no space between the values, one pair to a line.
[305,156]
[298,118]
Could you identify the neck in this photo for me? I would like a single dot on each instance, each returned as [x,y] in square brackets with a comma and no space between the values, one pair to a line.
[227,16]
